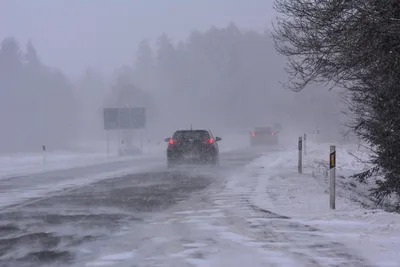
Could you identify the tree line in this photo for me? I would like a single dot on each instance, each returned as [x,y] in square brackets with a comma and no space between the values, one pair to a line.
[223,78]
[37,105]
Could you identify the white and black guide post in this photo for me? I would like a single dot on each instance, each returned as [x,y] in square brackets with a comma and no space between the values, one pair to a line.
[305,144]
[300,164]
[332,175]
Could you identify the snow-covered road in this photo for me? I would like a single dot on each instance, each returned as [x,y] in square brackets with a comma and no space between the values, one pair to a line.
[222,226]
[51,217]
[252,210]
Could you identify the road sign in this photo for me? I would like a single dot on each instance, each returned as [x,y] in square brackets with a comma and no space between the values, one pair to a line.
[110,118]
[124,118]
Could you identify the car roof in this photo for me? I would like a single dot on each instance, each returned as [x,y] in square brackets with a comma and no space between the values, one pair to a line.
[192,133]
[263,128]
[192,130]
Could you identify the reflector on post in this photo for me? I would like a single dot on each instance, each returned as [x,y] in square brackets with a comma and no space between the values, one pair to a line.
[332,161]
[332,178]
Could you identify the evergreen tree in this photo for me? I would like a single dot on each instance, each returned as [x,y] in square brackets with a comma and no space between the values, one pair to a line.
[31,55]
[144,66]
[36,103]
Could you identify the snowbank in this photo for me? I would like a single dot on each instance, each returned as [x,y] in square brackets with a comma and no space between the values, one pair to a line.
[278,187]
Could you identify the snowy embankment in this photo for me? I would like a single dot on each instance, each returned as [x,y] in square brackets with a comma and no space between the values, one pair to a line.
[277,187]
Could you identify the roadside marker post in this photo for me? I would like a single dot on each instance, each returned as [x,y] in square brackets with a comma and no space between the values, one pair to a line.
[44,153]
[305,144]
[332,174]
[141,141]
[108,143]
[300,163]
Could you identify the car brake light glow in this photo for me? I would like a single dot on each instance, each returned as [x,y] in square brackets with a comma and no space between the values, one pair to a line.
[171,141]
[211,141]
[273,133]
[253,134]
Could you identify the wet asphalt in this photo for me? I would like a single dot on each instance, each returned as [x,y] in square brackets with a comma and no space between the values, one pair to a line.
[50,231]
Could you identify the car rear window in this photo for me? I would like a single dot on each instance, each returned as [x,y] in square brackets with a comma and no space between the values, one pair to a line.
[195,134]
[263,130]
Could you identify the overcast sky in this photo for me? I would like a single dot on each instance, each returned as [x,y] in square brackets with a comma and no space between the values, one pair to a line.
[75,34]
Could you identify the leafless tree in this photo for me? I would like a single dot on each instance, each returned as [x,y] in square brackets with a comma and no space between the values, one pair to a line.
[333,41]
[354,44]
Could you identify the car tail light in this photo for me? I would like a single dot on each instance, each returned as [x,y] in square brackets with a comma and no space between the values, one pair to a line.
[273,133]
[172,142]
[253,134]
[210,141]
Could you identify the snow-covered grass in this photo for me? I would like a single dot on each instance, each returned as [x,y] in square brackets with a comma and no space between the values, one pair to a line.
[28,163]
[277,187]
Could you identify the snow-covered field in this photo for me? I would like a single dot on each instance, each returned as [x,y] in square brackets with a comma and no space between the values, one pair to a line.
[275,185]
[95,153]
[21,164]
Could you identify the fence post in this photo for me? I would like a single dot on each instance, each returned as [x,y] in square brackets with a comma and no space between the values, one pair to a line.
[332,174]
[305,144]
[300,163]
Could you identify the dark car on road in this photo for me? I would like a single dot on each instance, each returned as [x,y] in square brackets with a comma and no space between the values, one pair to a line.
[194,146]
[266,135]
